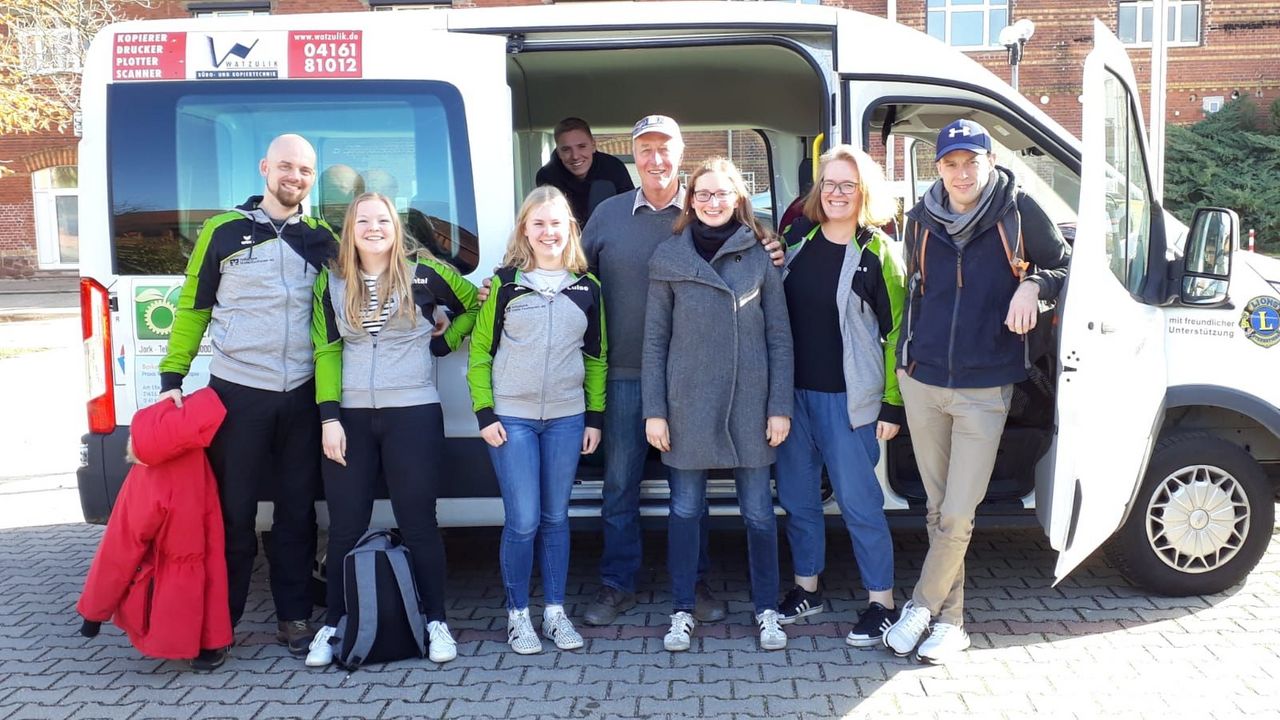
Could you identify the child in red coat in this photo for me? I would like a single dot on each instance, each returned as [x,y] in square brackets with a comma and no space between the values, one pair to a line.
[160,573]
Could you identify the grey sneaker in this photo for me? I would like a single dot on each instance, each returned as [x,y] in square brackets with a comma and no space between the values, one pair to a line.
[295,635]
[558,628]
[607,604]
[706,607]
[209,660]
[520,634]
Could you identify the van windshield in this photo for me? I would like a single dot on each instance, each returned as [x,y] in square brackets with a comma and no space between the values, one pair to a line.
[182,152]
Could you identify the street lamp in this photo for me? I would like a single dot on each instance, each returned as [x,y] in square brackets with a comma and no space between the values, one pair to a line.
[1014,37]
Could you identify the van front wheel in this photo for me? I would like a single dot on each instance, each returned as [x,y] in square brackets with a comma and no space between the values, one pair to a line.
[1201,520]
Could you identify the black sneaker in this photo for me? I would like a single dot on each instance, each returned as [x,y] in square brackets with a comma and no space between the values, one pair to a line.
[209,660]
[873,623]
[800,603]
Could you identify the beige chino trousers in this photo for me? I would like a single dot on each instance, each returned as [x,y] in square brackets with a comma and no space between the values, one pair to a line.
[955,433]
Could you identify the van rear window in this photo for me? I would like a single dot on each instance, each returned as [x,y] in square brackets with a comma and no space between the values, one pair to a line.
[180,153]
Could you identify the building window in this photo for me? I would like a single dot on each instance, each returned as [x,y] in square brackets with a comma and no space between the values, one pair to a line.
[968,24]
[56,199]
[1181,25]
[409,4]
[229,9]
[46,50]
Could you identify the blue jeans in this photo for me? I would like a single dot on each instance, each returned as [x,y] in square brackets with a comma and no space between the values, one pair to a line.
[688,520]
[820,433]
[535,468]
[625,449]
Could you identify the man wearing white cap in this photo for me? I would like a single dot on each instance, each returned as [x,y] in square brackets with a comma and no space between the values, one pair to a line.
[619,239]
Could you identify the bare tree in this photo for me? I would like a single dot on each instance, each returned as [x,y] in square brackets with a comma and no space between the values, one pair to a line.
[42,48]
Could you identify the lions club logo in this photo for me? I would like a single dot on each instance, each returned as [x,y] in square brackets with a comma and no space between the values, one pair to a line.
[1261,321]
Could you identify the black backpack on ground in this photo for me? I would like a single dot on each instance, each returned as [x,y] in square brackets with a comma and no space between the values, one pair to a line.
[384,619]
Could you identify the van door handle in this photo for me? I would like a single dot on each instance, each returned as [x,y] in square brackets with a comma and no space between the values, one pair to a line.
[1107,328]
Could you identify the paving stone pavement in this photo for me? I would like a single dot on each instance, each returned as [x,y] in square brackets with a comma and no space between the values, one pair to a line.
[1091,647]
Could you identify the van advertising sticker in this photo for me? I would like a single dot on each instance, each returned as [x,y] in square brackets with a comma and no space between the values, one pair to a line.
[149,56]
[236,55]
[1261,321]
[325,53]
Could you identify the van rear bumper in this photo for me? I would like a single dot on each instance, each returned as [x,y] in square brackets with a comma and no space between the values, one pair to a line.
[101,472]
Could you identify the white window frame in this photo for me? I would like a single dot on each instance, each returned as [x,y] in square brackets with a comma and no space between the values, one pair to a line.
[986,6]
[1175,6]
[44,202]
[49,50]
[229,12]
[424,5]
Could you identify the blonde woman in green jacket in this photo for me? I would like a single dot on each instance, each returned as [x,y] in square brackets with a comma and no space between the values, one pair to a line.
[845,278]
[376,338]
[537,374]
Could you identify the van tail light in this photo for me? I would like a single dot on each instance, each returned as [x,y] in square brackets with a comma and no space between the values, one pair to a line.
[95,324]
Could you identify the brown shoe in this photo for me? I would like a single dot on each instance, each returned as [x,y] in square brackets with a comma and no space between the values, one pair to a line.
[607,604]
[295,634]
[706,607]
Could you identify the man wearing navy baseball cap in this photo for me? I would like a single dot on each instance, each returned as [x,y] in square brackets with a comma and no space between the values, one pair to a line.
[980,255]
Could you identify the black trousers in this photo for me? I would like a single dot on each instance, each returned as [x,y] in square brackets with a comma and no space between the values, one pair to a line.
[402,445]
[269,444]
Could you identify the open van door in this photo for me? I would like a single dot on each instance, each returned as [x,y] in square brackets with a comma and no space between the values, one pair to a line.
[1112,382]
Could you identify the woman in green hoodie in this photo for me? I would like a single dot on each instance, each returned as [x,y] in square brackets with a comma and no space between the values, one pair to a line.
[537,374]
[375,336]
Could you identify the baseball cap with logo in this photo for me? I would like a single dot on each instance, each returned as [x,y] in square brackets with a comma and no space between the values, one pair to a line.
[657,124]
[963,135]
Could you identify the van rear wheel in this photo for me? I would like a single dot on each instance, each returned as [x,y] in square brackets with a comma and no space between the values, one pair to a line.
[1201,520]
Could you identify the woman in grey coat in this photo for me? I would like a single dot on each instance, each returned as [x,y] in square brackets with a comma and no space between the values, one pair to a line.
[717,382]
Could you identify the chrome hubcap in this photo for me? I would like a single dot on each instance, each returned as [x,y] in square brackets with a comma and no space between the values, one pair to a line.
[1198,518]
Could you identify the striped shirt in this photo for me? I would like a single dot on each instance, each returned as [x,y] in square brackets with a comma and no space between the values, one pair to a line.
[373,321]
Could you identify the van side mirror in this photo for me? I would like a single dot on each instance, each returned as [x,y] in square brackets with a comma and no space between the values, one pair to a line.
[1206,261]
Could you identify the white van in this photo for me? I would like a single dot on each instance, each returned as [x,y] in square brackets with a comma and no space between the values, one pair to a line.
[1154,425]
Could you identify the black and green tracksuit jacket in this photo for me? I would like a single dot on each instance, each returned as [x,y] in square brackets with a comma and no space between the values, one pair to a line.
[396,366]
[250,283]
[870,296]
[538,357]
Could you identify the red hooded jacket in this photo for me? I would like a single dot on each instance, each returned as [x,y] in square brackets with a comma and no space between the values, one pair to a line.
[161,573]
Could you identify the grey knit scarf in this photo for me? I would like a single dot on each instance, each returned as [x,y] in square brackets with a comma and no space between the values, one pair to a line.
[961,226]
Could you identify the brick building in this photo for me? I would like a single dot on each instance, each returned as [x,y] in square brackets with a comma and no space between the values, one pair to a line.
[1219,49]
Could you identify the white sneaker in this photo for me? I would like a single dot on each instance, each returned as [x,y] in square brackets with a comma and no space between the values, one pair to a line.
[558,628]
[771,635]
[945,641]
[441,647]
[520,634]
[320,651]
[904,635]
[677,638]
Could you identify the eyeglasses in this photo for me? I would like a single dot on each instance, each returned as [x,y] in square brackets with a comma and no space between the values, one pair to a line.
[724,196]
[845,188]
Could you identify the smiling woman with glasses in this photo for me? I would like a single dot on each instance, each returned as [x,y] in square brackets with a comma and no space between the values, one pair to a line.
[843,277]
[716,383]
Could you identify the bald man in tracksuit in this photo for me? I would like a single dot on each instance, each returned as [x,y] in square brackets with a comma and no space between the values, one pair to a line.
[250,282]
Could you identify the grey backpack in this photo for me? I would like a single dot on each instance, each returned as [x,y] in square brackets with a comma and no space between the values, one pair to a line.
[384,619]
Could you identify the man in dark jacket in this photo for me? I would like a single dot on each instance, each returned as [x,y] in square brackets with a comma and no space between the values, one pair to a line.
[585,175]
[980,255]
